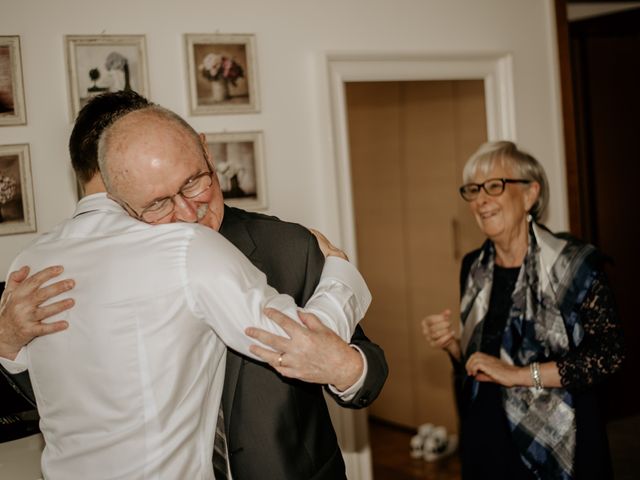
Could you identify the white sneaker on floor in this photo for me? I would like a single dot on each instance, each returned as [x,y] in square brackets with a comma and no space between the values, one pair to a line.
[439,445]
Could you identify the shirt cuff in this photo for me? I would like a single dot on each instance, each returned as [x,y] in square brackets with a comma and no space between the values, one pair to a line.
[16,366]
[350,392]
[346,273]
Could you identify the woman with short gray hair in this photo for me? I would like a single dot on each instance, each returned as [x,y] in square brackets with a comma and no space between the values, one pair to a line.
[538,331]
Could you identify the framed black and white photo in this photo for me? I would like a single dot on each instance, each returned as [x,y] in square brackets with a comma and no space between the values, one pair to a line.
[222,73]
[17,214]
[12,107]
[105,63]
[239,164]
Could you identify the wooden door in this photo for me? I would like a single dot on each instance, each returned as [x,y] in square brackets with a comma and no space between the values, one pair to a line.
[605,56]
[408,143]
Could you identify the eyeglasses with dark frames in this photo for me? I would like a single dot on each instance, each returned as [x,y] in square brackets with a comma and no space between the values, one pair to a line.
[494,187]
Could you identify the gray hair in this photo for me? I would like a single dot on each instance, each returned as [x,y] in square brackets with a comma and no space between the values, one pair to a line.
[521,163]
[105,137]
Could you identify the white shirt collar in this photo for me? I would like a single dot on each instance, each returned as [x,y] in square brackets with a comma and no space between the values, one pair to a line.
[97,201]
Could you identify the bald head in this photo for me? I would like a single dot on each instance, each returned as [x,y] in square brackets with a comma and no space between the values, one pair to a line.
[142,143]
[152,156]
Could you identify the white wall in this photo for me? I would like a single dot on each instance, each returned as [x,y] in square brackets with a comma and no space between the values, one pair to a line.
[293,37]
[293,40]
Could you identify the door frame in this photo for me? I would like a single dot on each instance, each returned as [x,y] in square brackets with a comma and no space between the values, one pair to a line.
[496,70]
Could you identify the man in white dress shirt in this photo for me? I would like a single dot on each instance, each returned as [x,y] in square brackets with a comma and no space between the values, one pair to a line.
[131,389]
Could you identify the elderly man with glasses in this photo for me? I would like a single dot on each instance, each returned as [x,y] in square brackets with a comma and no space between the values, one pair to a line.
[289,256]
[131,389]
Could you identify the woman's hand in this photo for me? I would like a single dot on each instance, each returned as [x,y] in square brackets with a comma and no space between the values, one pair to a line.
[487,368]
[439,332]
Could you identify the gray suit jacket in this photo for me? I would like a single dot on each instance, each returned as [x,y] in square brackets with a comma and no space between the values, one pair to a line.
[279,428]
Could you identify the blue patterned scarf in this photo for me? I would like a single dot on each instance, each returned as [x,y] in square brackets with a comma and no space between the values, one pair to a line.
[543,325]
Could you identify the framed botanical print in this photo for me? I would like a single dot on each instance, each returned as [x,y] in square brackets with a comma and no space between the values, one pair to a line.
[105,63]
[222,73]
[239,164]
[17,214]
[12,106]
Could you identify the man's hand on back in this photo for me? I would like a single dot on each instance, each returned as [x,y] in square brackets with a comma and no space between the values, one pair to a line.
[312,353]
[327,248]
[21,310]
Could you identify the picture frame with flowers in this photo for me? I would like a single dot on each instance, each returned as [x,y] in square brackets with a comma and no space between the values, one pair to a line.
[222,73]
[17,213]
[12,105]
[104,63]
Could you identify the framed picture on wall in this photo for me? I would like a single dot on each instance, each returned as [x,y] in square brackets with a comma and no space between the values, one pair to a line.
[105,63]
[222,73]
[12,108]
[239,164]
[17,214]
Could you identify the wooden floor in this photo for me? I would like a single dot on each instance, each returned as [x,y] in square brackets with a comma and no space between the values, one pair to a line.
[391,460]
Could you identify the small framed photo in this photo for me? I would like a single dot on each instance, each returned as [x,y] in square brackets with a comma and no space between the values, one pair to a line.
[222,73]
[105,63]
[239,164]
[17,214]
[12,108]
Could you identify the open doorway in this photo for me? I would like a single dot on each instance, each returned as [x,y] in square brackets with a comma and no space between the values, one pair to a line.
[605,58]
[494,72]
[408,142]
[599,47]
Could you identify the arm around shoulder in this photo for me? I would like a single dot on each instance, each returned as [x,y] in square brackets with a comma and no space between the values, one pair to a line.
[231,294]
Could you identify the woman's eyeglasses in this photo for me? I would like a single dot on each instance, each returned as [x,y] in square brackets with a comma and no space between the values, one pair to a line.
[493,187]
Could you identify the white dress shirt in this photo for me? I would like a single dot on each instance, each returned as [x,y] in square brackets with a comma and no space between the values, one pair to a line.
[131,389]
